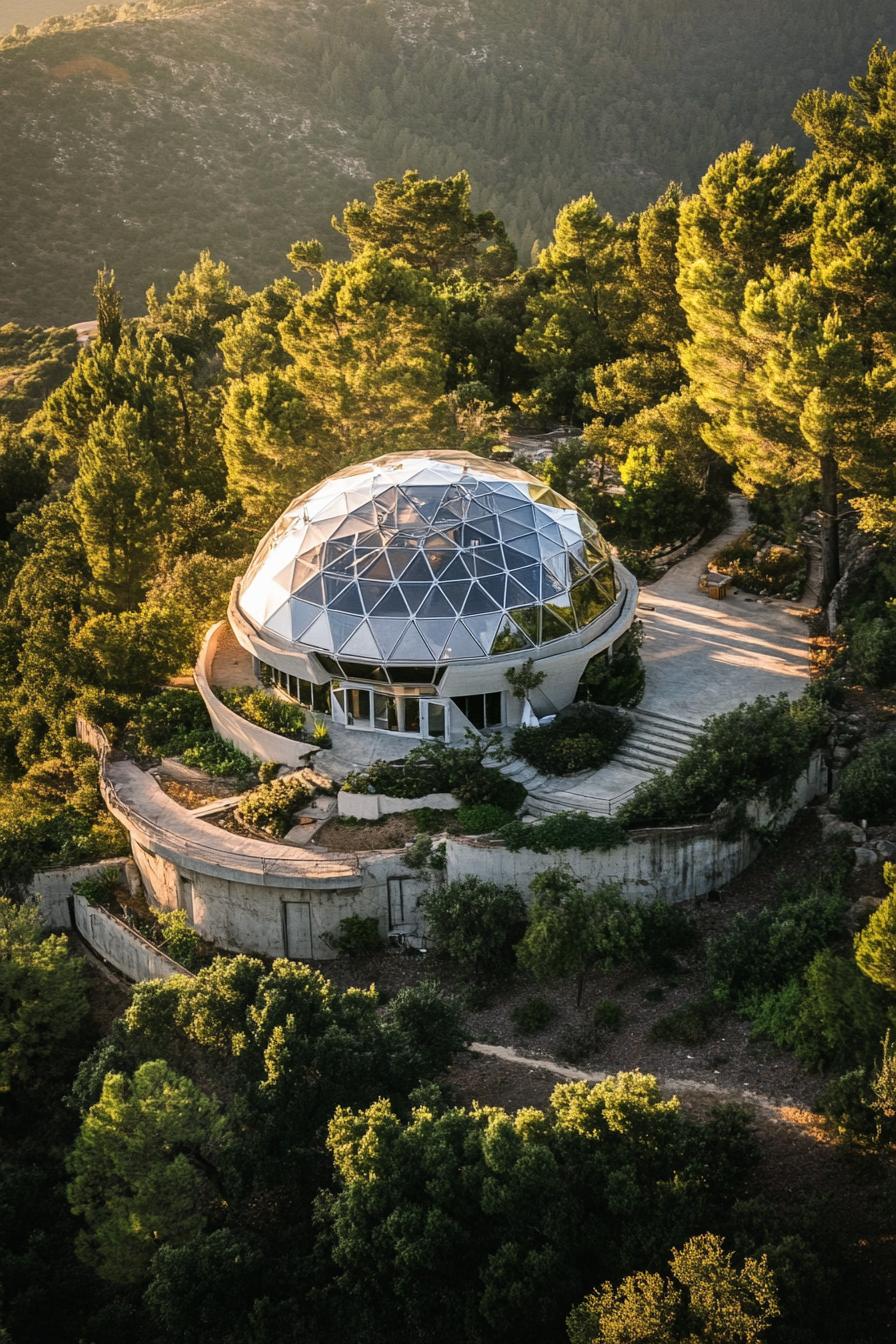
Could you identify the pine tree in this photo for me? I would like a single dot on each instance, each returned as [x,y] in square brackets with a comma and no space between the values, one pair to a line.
[120,500]
[108,308]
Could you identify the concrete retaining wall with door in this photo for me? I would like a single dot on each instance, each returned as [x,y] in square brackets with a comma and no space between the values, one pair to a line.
[51,889]
[248,737]
[672,864]
[121,946]
[372,806]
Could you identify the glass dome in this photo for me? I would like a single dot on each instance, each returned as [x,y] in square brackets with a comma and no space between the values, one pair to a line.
[428,556]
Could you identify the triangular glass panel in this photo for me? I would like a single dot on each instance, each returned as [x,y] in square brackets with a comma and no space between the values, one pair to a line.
[530,578]
[318,636]
[418,571]
[342,628]
[436,605]
[349,600]
[280,621]
[552,627]
[312,591]
[461,644]
[529,621]
[595,555]
[439,557]
[391,604]
[415,594]
[372,592]
[387,633]
[484,626]
[509,638]
[455,569]
[514,559]
[411,648]
[378,568]
[494,585]
[516,595]
[478,601]
[361,644]
[456,593]
[576,569]
[435,633]
[589,602]
[400,557]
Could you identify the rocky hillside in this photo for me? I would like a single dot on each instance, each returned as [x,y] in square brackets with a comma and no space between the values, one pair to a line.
[135,137]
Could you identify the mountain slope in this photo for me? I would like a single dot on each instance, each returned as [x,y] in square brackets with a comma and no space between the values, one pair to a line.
[242,125]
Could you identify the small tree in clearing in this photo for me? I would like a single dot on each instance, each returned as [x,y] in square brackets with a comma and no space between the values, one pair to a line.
[572,930]
[876,944]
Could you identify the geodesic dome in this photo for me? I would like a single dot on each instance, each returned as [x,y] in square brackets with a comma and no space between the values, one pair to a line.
[418,557]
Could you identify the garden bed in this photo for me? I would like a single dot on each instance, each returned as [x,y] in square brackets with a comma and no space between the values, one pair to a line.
[582,737]
[758,562]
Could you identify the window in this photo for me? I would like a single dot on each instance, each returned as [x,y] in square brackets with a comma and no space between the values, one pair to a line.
[483,711]
[307,693]
[395,890]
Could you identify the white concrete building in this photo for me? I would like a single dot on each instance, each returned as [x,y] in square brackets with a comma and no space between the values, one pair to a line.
[396,595]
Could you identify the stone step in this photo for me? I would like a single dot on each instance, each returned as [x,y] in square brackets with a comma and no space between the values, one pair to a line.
[650,741]
[665,723]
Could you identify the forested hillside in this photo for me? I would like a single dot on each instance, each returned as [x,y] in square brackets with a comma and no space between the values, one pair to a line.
[136,137]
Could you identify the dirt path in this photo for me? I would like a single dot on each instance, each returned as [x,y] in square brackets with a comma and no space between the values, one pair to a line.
[746,1096]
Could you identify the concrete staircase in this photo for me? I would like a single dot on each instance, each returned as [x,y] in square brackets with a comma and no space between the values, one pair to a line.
[656,742]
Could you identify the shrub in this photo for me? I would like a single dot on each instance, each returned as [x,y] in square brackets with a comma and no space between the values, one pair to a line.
[271,807]
[357,936]
[582,740]
[532,1016]
[564,830]
[763,949]
[607,1016]
[179,939]
[847,1103]
[758,563]
[435,768]
[267,771]
[215,756]
[481,818]
[320,734]
[688,1025]
[168,722]
[867,787]
[665,931]
[757,750]
[835,1017]
[265,709]
[101,888]
[872,648]
[477,924]
[618,680]
[875,945]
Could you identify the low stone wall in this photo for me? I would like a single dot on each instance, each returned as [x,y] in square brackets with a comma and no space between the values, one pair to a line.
[372,806]
[51,889]
[121,946]
[248,737]
[673,864]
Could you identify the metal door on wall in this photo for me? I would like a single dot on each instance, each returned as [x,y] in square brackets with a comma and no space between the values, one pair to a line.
[298,940]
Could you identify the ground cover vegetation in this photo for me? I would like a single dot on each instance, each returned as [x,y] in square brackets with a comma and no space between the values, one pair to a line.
[241,1156]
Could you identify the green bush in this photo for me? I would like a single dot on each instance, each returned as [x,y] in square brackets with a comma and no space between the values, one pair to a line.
[872,649]
[759,563]
[481,818]
[101,888]
[532,1016]
[584,737]
[607,1016]
[267,771]
[763,949]
[217,757]
[690,1024]
[435,768]
[564,830]
[618,680]
[265,709]
[847,1103]
[477,924]
[867,787]
[179,939]
[169,722]
[833,1016]
[757,750]
[272,807]
[666,931]
[357,936]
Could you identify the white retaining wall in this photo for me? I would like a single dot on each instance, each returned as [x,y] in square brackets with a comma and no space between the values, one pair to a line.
[372,806]
[674,864]
[51,889]
[248,737]
[122,947]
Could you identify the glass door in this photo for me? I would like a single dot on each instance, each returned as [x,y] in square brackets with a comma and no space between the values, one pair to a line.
[435,719]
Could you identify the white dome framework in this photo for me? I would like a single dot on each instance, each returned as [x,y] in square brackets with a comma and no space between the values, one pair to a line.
[416,558]
[399,593]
